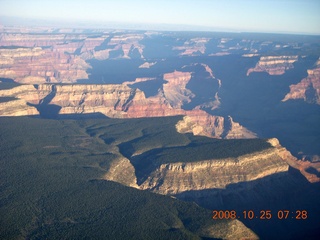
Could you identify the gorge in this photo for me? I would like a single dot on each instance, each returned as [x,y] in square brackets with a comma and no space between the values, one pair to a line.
[191,122]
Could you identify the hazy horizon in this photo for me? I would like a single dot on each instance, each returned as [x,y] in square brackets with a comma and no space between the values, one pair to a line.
[284,16]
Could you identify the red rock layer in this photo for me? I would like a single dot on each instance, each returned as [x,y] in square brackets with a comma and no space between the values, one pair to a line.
[309,87]
[39,58]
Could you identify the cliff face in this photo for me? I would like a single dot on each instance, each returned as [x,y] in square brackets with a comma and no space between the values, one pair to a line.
[193,47]
[274,65]
[118,101]
[30,93]
[201,123]
[174,178]
[17,108]
[128,43]
[310,170]
[52,58]
[38,65]
[175,90]
[309,88]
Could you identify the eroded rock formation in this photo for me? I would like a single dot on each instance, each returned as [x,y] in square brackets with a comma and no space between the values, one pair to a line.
[201,123]
[193,47]
[174,178]
[274,65]
[40,65]
[309,88]
[308,169]
[118,101]
[40,57]
[175,90]
[17,107]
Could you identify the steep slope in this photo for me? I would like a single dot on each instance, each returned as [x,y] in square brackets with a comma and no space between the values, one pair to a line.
[274,65]
[309,88]
[175,89]
[60,57]
[17,107]
[118,101]
[180,177]
[40,65]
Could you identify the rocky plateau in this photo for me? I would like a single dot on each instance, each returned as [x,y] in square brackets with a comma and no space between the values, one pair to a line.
[274,65]
[176,178]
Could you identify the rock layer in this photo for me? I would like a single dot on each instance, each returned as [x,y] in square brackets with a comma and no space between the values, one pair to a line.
[38,65]
[274,65]
[308,169]
[175,90]
[119,101]
[194,46]
[309,88]
[174,178]
[39,58]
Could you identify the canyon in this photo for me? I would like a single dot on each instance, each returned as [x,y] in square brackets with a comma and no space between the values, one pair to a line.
[116,101]
[195,116]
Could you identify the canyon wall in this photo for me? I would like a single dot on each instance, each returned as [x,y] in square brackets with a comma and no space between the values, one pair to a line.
[118,101]
[40,65]
[51,58]
[309,88]
[193,47]
[274,65]
[174,178]
[175,90]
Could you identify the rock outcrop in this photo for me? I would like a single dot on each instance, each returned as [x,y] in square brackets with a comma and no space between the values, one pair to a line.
[174,178]
[40,65]
[147,64]
[274,65]
[128,43]
[17,107]
[310,170]
[119,101]
[201,123]
[50,58]
[193,47]
[175,90]
[309,88]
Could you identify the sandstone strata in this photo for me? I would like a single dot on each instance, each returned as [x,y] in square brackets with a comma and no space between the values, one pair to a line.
[175,90]
[193,47]
[120,101]
[309,88]
[40,65]
[174,178]
[128,43]
[201,123]
[303,166]
[40,58]
[17,108]
[274,65]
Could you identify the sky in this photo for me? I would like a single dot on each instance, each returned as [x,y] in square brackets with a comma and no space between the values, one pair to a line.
[278,16]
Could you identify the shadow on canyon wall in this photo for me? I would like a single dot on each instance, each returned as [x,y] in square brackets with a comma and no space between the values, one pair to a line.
[7,83]
[255,102]
[282,191]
